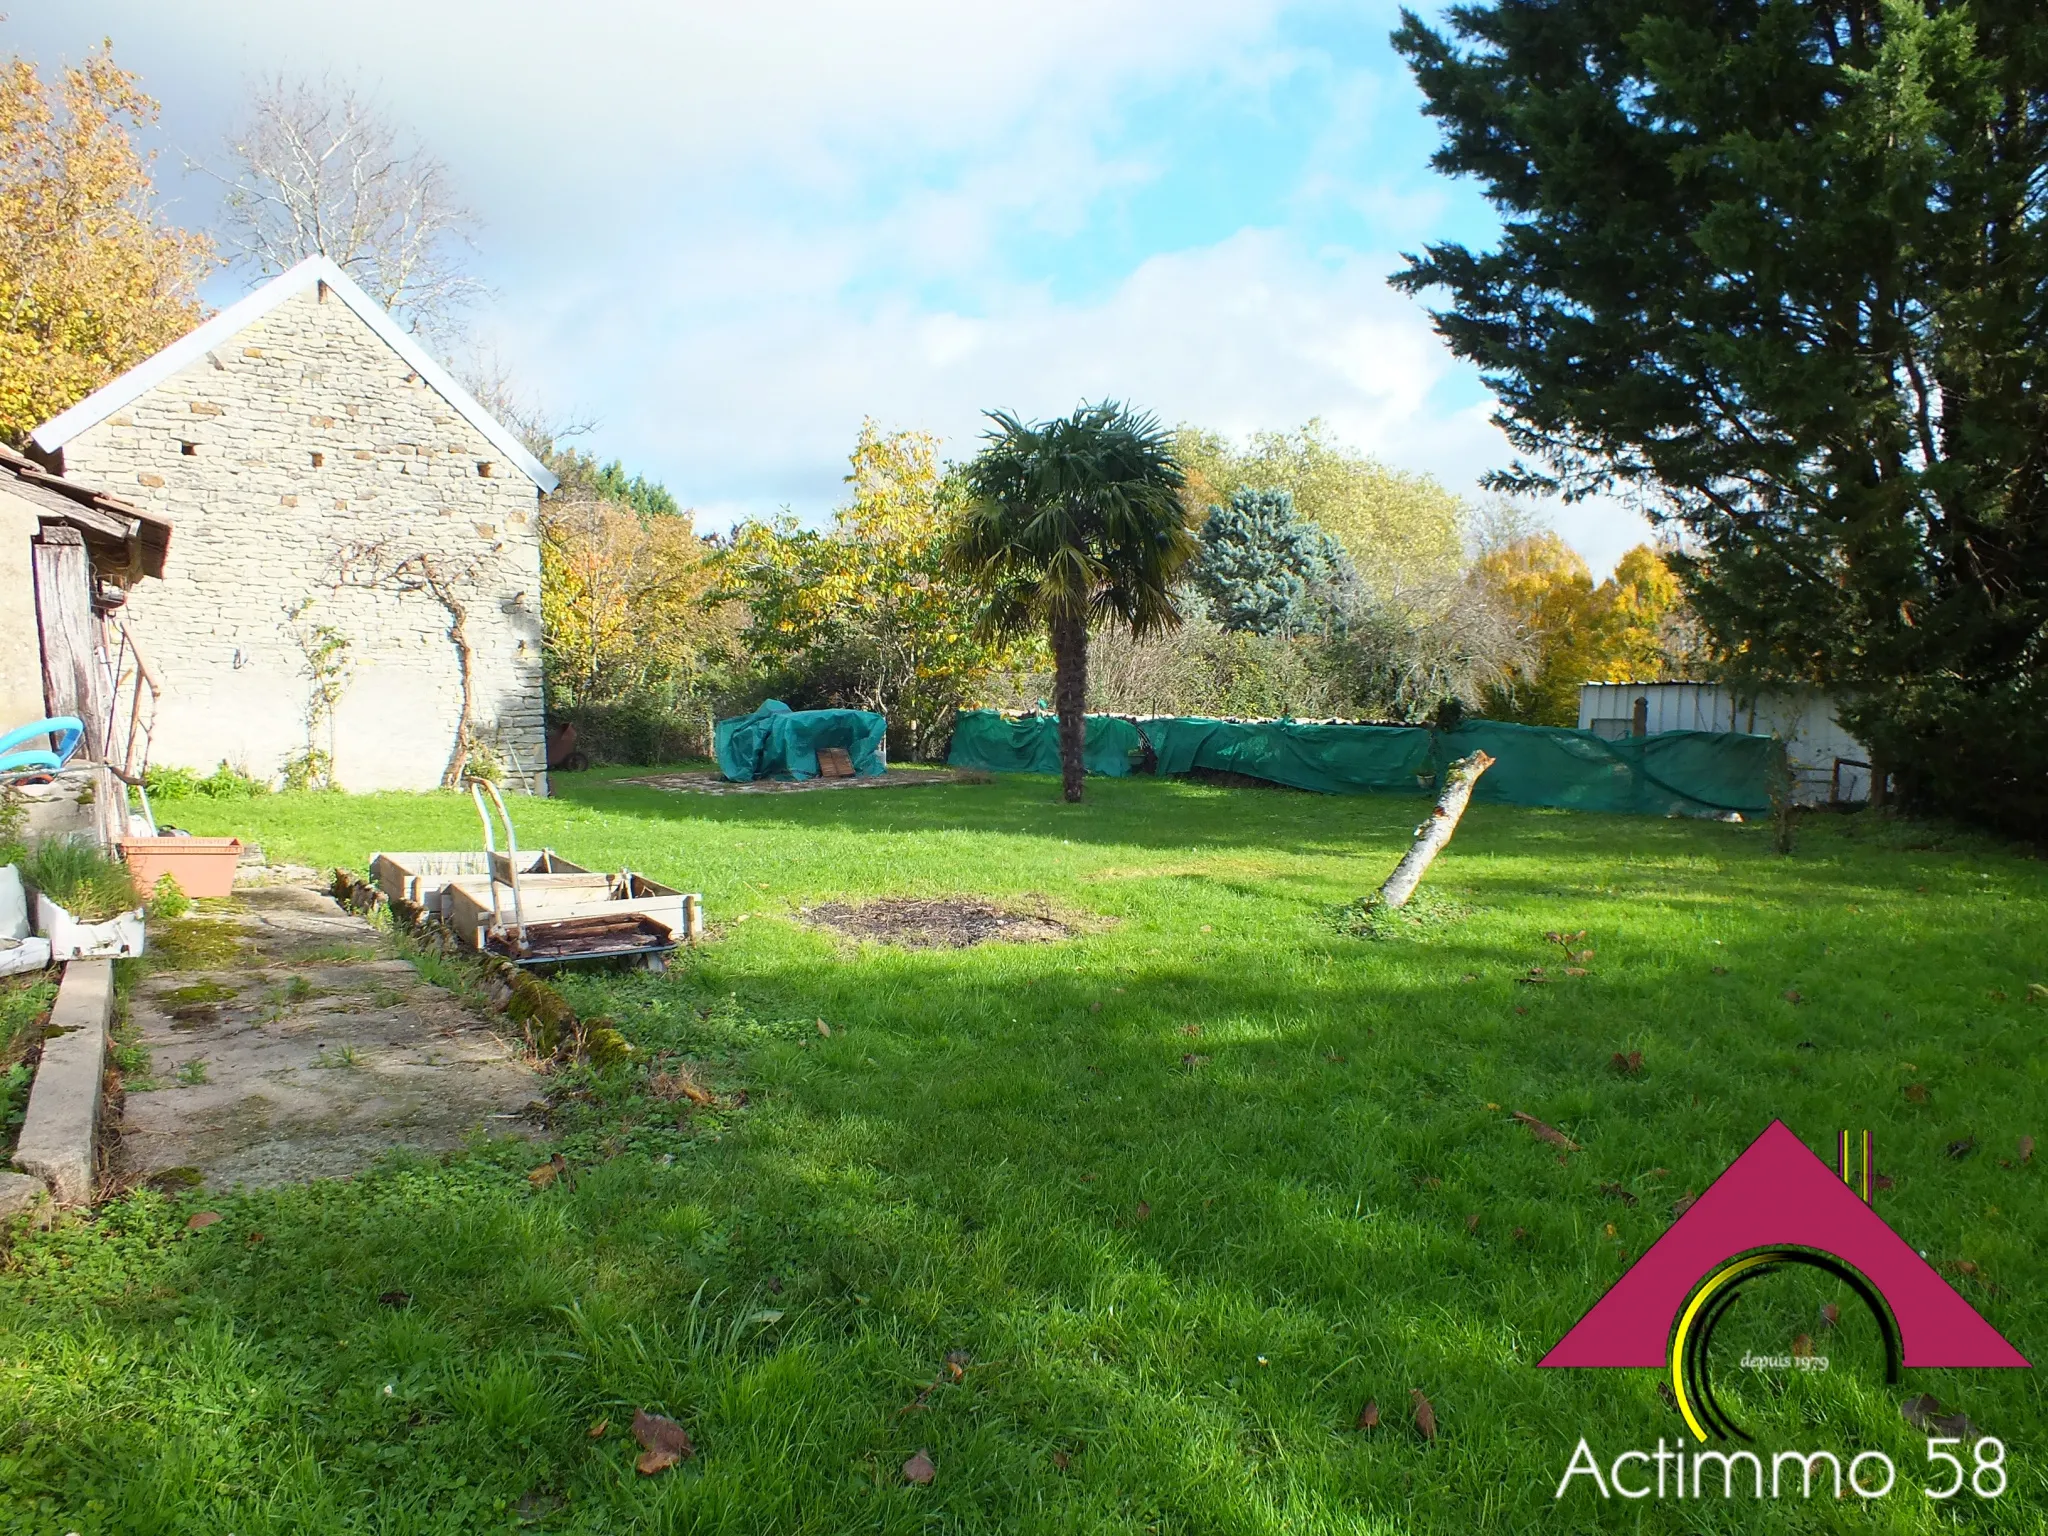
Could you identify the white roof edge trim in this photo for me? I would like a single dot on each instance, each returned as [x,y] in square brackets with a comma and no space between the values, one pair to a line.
[239,316]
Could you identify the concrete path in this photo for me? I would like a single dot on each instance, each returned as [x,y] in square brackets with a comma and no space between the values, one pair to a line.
[309,1053]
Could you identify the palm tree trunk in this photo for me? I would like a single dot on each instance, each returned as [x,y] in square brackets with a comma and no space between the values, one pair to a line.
[1070,698]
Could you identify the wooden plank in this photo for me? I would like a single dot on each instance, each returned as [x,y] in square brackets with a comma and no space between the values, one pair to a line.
[73,683]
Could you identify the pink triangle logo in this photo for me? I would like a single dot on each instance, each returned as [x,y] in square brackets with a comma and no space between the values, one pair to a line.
[1777,1203]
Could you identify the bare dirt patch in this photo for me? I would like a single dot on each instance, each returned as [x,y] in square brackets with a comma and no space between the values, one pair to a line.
[948,923]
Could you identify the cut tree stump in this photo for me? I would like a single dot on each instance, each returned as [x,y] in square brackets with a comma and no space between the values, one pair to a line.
[1431,836]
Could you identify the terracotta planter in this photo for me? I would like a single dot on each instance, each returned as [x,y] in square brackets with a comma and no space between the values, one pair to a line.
[202,866]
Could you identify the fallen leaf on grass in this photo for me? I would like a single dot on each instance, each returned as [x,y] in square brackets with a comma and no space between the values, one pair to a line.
[1191,1029]
[1916,1093]
[680,1083]
[1144,1211]
[596,1431]
[1683,1203]
[1718,970]
[1061,1461]
[1802,1347]
[1963,1148]
[663,1442]
[1520,1009]
[1924,1412]
[2037,992]
[253,1237]
[1880,1181]
[1576,970]
[1630,1065]
[554,1169]
[957,1361]
[1425,1415]
[1469,976]
[399,1299]
[1830,1314]
[1192,1060]
[919,1469]
[1472,1222]
[1617,1192]
[1966,1266]
[1610,1230]
[1794,997]
[1548,1133]
[1369,1415]
[2026,1149]
[201,1220]
[824,1029]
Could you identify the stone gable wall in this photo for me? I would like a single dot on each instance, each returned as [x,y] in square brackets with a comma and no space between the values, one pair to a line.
[299,462]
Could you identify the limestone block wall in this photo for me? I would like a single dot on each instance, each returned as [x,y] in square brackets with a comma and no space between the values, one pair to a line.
[303,464]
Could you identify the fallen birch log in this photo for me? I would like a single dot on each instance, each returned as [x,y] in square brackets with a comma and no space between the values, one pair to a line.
[1431,836]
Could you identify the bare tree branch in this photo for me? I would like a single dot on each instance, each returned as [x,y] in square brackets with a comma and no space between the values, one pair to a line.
[317,169]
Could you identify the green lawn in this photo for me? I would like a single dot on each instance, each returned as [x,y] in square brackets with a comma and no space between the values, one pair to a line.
[1188,1190]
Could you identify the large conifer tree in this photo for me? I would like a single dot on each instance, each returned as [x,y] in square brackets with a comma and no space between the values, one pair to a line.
[1780,266]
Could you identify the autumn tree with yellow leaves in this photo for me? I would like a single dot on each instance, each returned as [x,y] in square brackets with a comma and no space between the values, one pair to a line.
[864,614]
[92,279]
[1632,627]
[624,581]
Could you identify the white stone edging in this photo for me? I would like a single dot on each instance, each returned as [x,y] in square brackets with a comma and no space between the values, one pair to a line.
[60,1133]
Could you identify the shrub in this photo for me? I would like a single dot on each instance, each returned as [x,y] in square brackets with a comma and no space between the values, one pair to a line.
[169,899]
[224,783]
[310,769]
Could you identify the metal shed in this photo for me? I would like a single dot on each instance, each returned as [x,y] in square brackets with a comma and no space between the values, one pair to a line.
[1829,766]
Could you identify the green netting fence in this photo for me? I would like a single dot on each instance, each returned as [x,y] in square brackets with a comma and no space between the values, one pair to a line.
[1675,772]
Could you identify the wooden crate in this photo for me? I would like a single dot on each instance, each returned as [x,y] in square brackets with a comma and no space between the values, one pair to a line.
[553,896]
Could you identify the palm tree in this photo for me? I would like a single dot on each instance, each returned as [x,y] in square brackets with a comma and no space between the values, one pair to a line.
[1070,523]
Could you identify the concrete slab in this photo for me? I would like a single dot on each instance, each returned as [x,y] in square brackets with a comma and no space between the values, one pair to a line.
[313,1052]
[19,1192]
[60,1132]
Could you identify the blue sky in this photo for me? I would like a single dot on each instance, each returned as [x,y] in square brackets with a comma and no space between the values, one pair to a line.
[729,233]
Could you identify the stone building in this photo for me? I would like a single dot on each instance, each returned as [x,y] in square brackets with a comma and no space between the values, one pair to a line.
[358,544]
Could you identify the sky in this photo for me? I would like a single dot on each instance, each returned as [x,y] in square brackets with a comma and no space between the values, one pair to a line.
[725,234]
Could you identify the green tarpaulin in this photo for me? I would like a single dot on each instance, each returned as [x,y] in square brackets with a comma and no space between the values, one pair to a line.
[777,742]
[1687,772]
[1334,759]
[1031,743]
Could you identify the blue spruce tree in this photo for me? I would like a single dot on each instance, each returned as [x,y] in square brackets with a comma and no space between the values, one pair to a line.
[1264,568]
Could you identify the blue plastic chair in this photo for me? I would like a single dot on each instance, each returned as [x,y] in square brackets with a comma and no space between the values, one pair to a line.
[68,730]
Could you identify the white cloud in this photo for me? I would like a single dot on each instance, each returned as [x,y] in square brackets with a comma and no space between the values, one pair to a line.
[731,231]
